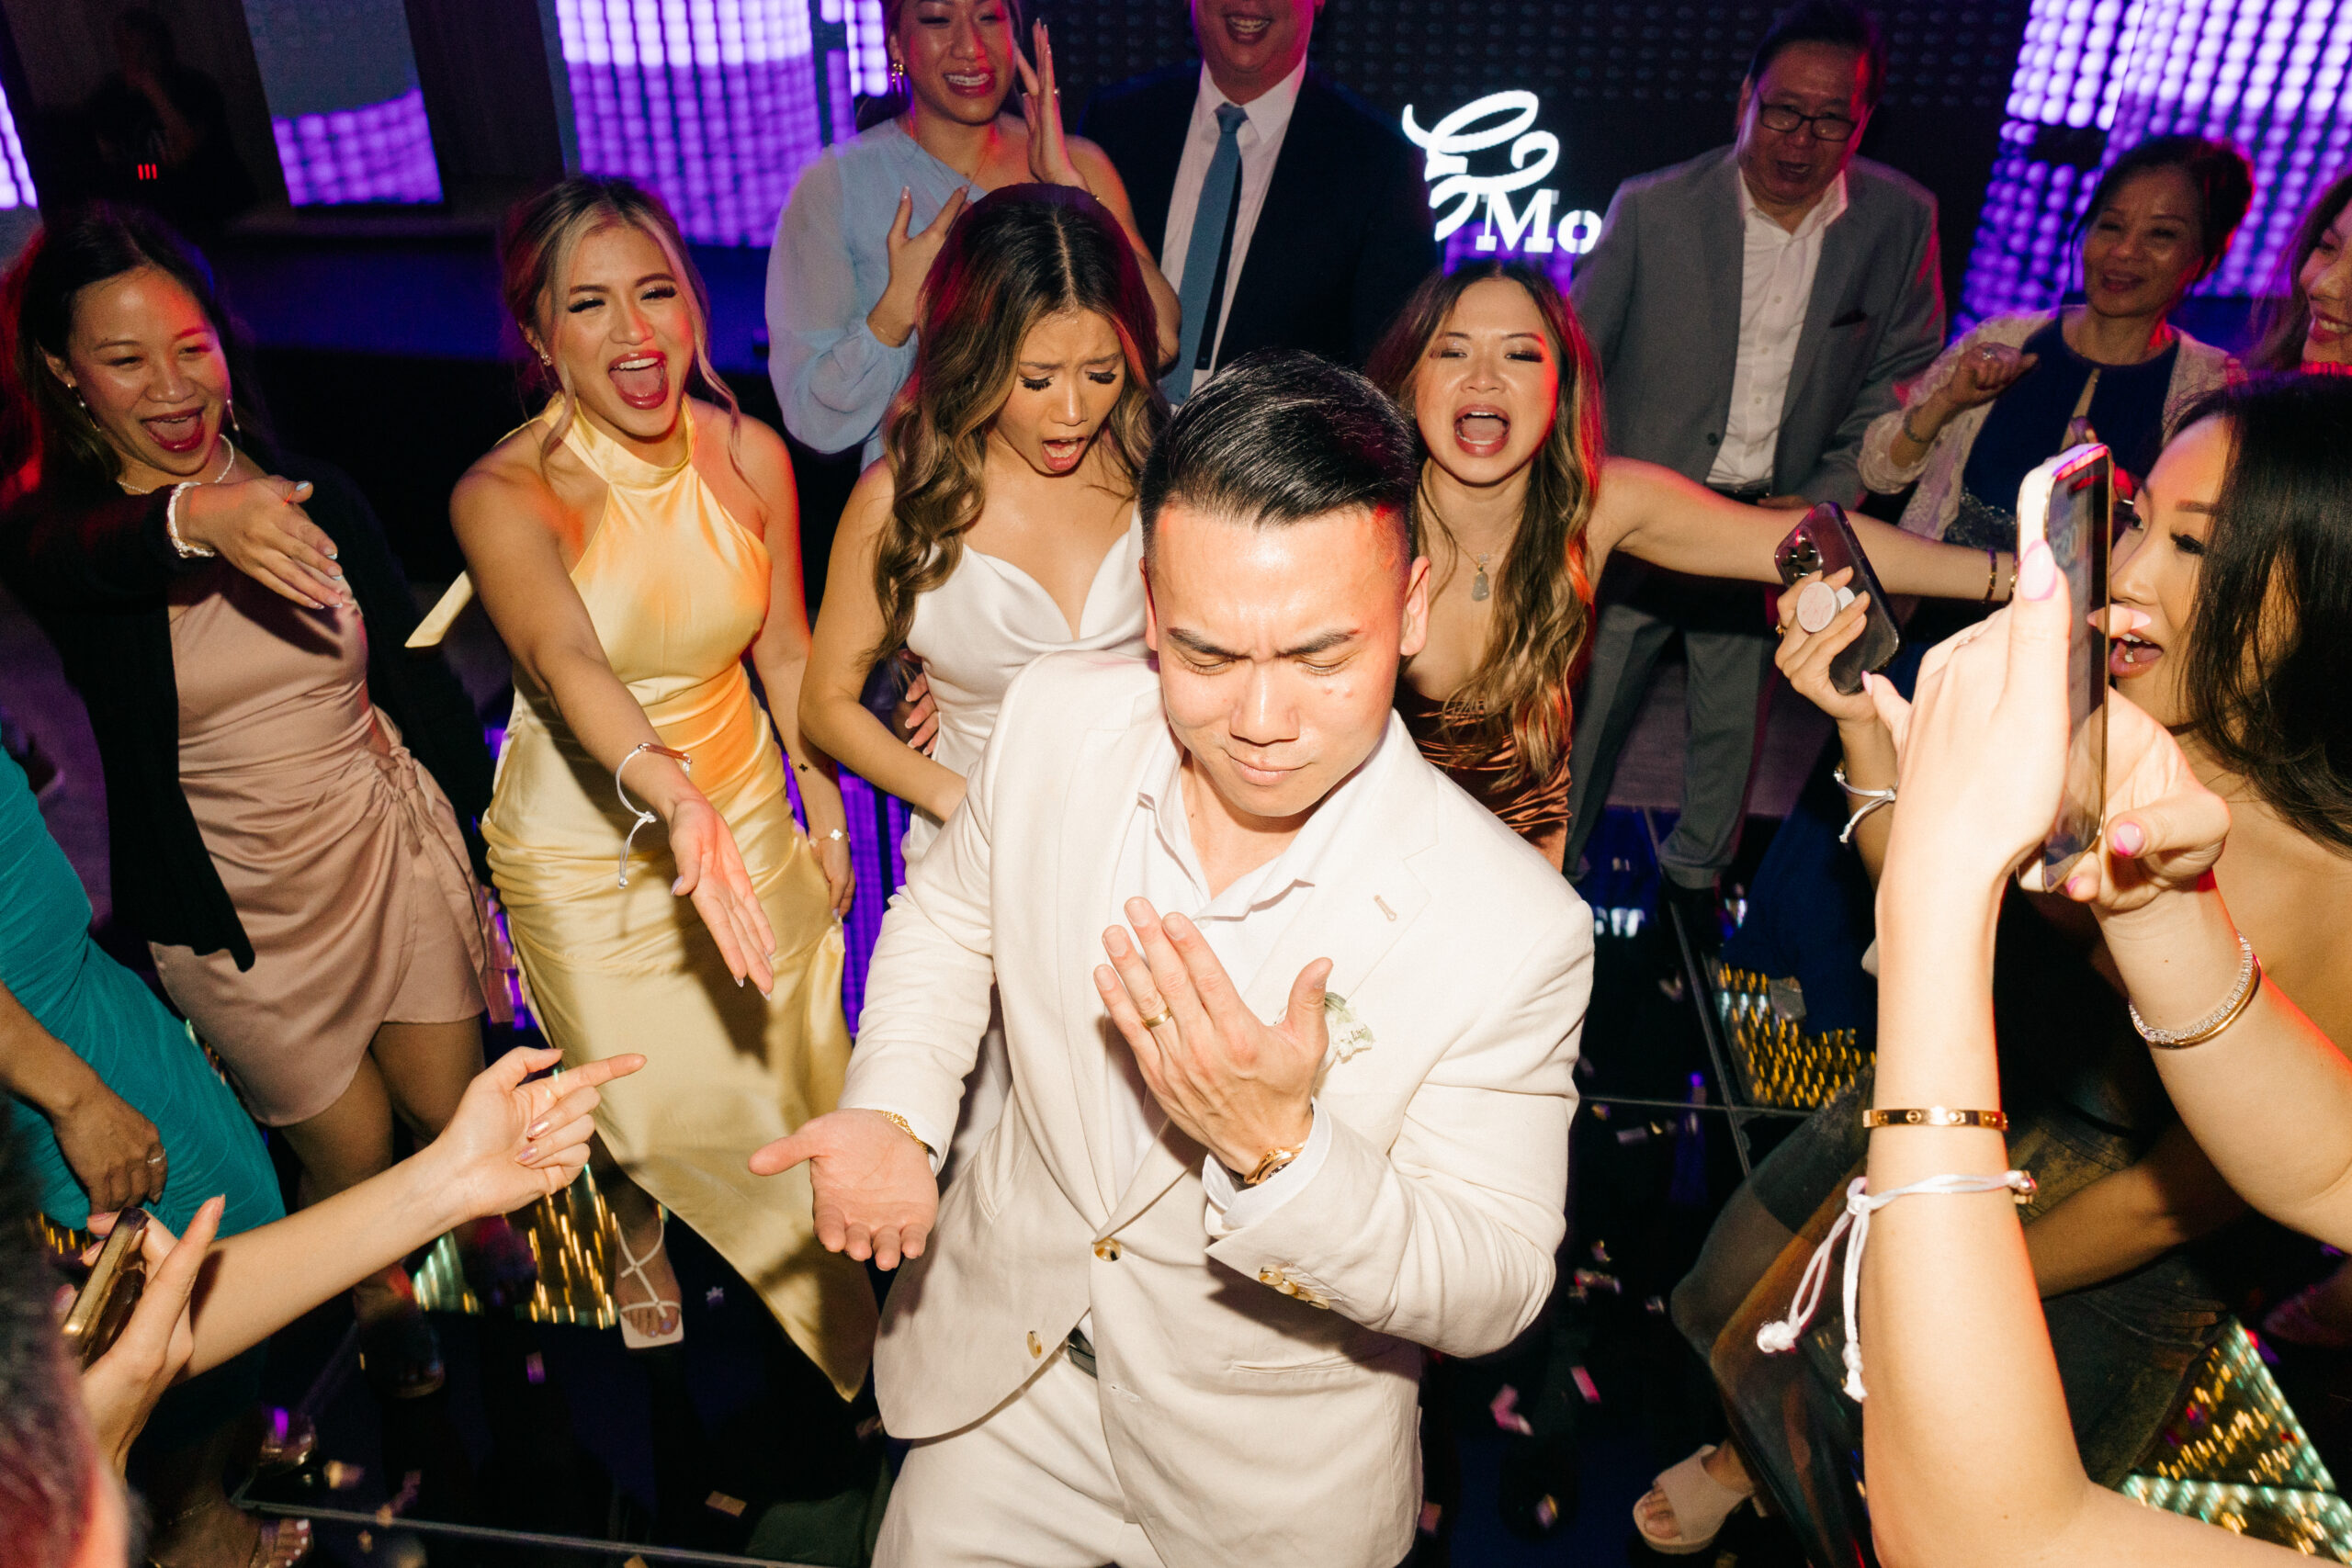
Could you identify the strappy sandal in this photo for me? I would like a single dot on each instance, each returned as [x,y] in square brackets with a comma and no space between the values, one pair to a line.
[631,1264]
[1700,1502]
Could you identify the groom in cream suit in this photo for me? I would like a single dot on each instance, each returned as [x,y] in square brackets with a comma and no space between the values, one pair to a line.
[1174,1312]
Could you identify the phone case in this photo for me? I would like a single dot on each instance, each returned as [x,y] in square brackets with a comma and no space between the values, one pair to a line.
[108,1296]
[1825,542]
[2080,546]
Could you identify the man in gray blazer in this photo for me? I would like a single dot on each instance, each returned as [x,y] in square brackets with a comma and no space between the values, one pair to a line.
[1753,309]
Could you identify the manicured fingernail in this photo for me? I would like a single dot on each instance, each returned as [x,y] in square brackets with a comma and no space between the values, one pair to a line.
[537,1130]
[2078,887]
[529,1155]
[2129,838]
[2038,571]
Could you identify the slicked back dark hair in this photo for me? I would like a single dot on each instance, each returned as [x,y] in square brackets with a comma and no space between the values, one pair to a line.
[48,1461]
[1283,436]
[1834,22]
[2271,634]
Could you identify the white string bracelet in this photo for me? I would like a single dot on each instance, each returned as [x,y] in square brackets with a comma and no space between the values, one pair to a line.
[1776,1338]
[1872,799]
[645,817]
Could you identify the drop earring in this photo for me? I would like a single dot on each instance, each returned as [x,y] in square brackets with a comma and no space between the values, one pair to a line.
[231,406]
[898,75]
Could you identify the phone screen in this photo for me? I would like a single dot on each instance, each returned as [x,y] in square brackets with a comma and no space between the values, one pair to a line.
[2077,523]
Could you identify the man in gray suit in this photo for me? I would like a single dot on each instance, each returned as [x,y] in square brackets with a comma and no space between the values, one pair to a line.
[1753,309]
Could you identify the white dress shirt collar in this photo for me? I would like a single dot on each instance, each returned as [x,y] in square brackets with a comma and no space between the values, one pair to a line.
[1269,112]
[1826,212]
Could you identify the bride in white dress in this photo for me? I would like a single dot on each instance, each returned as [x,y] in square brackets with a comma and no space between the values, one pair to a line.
[999,524]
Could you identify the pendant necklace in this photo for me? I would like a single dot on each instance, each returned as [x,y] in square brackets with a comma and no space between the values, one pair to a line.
[1478,583]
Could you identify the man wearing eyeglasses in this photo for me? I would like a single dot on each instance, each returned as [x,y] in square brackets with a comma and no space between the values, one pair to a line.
[1753,309]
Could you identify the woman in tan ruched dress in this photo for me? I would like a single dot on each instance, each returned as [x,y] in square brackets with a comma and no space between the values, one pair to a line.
[342,855]
[633,546]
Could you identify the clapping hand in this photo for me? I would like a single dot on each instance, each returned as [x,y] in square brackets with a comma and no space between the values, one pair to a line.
[1236,1086]
[894,315]
[711,872]
[873,1192]
[1041,106]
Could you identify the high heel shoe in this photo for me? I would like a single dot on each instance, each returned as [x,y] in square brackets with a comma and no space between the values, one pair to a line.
[631,1264]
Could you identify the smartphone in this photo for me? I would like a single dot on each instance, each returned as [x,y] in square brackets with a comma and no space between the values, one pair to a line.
[2070,503]
[1825,542]
[106,1298]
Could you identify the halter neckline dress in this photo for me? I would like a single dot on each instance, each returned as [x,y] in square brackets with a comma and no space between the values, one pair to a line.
[678,590]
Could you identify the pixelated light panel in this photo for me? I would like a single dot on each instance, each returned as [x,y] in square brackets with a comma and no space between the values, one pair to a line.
[2093,77]
[712,103]
[341,79]
[16,179]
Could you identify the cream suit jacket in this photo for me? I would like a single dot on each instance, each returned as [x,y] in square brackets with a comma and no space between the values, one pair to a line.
[1258,1385]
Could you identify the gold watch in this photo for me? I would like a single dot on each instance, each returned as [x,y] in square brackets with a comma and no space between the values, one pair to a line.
[1271,1161]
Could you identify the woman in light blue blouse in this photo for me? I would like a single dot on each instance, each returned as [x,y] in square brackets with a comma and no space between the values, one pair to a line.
[857,238]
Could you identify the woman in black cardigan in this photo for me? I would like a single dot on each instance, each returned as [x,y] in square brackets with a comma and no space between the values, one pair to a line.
[275,762]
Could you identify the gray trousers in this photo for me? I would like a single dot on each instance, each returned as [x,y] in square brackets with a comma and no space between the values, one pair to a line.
[1724,693]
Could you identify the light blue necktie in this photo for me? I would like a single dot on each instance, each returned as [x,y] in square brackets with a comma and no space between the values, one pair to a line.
[1202,251]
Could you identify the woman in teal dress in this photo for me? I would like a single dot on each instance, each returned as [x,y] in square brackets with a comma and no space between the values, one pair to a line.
[113,1102]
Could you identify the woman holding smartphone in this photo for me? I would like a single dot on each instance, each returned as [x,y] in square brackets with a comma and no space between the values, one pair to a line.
[2244,511]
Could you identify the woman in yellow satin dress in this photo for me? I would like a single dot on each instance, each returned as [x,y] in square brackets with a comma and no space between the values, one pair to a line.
[632,545]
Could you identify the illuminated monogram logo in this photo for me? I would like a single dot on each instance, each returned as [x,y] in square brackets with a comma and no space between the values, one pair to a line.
[1480,126]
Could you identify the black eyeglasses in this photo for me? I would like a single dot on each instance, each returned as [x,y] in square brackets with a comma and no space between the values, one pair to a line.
[1825,127]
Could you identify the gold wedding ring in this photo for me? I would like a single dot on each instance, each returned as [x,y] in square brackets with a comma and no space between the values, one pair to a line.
[1156,1019]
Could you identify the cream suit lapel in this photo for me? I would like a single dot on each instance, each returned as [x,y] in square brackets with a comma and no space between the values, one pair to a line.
[1365,898]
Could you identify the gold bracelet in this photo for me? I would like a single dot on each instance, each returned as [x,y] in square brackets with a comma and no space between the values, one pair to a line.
[2241,997]
[1936,1116]
[1270,1162]
[901,1124]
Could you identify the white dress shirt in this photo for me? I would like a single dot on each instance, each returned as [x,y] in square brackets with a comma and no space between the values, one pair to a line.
[1241,925]
[1776,272]
[1260,142]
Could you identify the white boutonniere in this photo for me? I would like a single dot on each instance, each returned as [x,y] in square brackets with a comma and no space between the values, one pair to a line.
[1350,1035]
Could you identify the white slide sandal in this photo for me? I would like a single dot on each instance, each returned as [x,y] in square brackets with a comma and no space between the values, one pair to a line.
[1700,1502]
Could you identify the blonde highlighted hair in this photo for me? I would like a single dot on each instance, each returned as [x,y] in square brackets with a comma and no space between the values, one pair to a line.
[534,254]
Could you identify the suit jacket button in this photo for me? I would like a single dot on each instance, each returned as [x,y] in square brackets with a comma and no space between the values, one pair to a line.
[1036,1346]
[1108,1249]
[1270,1277]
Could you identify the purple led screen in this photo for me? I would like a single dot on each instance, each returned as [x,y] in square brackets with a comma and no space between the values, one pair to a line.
[2097,76]
[712,103]
[15,180]
[382,153]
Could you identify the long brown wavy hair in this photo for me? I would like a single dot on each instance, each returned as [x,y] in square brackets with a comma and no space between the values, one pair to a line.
[1514,714]
[1020,255]
[534,251]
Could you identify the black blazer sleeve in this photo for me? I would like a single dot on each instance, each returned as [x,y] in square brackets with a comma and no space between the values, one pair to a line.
[75,547]
[416,688]
[1399,248]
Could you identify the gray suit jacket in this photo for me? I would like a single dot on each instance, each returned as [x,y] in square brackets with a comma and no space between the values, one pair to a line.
[1659,296]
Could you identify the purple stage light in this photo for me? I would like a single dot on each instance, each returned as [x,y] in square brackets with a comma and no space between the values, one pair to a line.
[16,179]
[377,153]
[712,103]
[2267,75]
